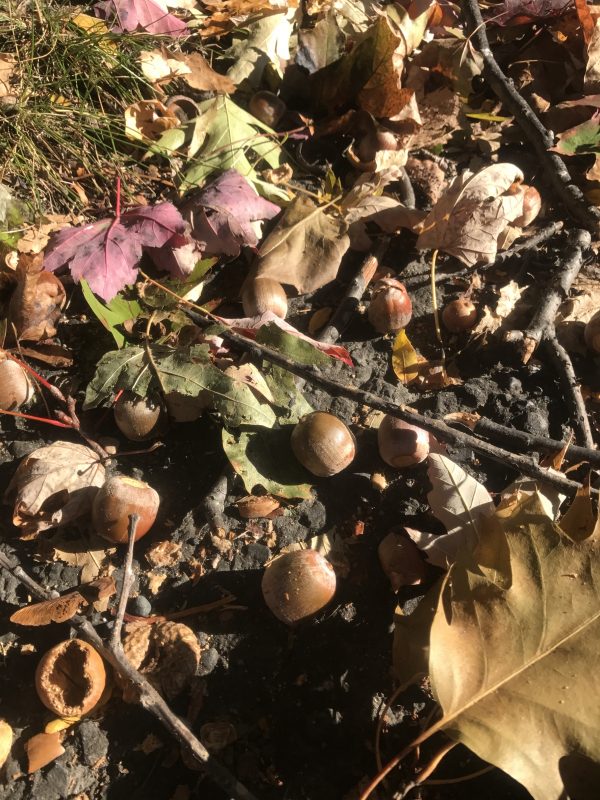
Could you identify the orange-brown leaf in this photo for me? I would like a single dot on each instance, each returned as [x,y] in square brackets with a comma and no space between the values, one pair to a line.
[60,609]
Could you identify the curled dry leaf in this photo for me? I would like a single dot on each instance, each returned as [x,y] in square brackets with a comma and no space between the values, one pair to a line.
[42,749]
[167,653]
[468,219]
[255,507]
[6,737]
[61,609]
[37,300]
[160,66]
[54,485]
[149,119]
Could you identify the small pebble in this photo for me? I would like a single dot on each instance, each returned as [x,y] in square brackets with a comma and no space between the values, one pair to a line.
[140,606]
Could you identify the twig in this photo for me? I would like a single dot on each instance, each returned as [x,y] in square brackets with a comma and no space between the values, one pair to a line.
[354,292]
[126,583]
[440,429]
[538,136]
[572,390]
[149,698]
[406,193]
[213,504]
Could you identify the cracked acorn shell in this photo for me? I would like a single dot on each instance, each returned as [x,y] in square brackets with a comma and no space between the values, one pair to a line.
[70,678]
[297,585]
[119,497]
[323,444]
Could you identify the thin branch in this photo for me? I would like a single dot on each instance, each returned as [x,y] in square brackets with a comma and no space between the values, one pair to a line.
[538,136]
[213,504]
[126,583]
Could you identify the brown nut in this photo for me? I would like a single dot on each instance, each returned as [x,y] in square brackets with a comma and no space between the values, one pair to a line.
[70,678]
[15,387]
[138,418]
[323,444]
[298,584]
[255,507]
[116,501]
[459,315]
[401,444]
[260,295]
[390,308]
[373,142]
[532,204]
[401,561]
[591,333]
[267,107]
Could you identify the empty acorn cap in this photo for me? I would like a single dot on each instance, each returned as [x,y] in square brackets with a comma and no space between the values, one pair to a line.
[70,678]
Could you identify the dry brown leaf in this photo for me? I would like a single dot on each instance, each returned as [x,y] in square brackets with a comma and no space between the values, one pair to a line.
[580,520]
[6,737]
[473,212]
[37,301]
[492,320]
[155,580]
[388,214]
[147,120]
[305,248]
[164,554]
[60,609]
[7,68]
[252,377]
[88,553]
[42,749]
[54,485]
[160,66]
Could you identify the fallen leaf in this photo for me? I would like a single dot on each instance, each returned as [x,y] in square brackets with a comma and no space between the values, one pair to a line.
[305,248]
[581,139]
[107,253]
[579,522]
[266,44]
[321,44]
[87,553]
[42,749]
[8,64]
[493,320]
[116,312]
[404,358]
[151,16]
[155,580]
[54,485]
[37,301]
[6,737]
[60,609]
[470,216]
[518,12]
[164,554]
[160,66]
[148,120]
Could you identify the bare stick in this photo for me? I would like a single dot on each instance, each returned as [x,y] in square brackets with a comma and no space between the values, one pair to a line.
[126,583]
[572,390]
[213,504]
[538,136]
[440,429]
[356,288]
[149,698]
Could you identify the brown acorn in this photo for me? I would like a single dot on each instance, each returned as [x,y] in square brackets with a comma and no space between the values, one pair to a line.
[390,308]
[139,418]
[401,444]
[591,333]
[298,584]
[323,444]
[532,204]
[116,501]
[373,142]
[70,678]
[459,315]
[264,294]
[15,387]
[267,107]
[401,561]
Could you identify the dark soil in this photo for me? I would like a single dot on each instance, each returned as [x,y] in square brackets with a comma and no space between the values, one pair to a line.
[303,703]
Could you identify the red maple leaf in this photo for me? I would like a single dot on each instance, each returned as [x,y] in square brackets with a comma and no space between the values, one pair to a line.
[149,15]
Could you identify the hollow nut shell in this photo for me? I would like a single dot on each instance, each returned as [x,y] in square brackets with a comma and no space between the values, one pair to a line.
[323,444]
[260,295]
[15,387]
[116,500]
[70,678]
[297,585]
[138,418]
[401,444]
[390,309]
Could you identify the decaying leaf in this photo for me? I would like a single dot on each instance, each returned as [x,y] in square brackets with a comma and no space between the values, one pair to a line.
[493,320]
[305,248]
[405,359]
[265,45]
[148,120]
[42,749]
[161,66]
[164,554]
[461,503]
[514,667]
[37,300]
[60,609]
[8,64]
[470,216]
[151,16]
[54,485]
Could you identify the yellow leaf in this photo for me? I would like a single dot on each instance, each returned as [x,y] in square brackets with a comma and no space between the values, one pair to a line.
[95,27]
[404,358]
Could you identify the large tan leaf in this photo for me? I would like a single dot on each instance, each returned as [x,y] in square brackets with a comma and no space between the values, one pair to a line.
[461,503]
[515,671]
[54,485]
[473,212]
[305,248]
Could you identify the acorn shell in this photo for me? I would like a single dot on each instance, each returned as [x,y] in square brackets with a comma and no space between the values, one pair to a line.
[390,309]
[70,678]
[119,497]
[297,585]
[15,387]
[139,418]
[323,444]
[401,444]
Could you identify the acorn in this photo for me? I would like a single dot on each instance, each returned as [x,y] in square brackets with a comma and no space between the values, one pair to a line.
[401,561]
[591,333]
[459,315]
[532,204]
[260,295]
[256,506]
[375,141]
[267,107]
[70,678]
[16,389]
[390,309]
[323,444]
[298,584]
[139,418]
[402,444]
[116,501]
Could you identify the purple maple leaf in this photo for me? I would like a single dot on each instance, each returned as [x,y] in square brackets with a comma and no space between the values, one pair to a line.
[222,213]
[151,16]
[107,253]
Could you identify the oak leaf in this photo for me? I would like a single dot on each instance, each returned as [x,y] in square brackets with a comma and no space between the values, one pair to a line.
[37,301]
